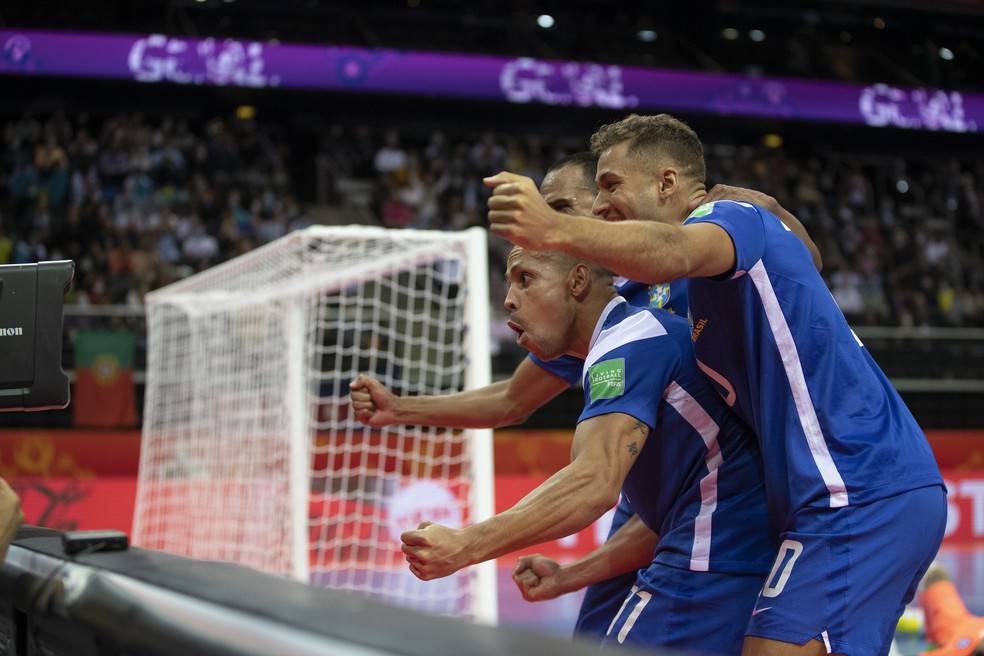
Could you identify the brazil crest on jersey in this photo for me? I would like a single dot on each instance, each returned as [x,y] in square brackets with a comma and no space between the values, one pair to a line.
[697,481]
[667,296]
[833,430]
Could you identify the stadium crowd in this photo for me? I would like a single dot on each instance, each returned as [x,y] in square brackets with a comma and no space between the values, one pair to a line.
[139,202]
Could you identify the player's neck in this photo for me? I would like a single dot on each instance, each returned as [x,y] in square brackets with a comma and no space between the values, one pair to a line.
[587,320]
[696,199]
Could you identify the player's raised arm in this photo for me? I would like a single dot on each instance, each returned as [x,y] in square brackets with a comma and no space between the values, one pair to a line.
[605,448]
[631,548]
[647,251]
[504,403]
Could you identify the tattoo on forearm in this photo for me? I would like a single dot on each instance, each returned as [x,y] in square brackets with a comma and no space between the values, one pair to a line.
[634,449]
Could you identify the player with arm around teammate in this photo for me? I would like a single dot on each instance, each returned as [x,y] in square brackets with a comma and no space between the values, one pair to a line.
[651,426]
[851,481]
[568,187]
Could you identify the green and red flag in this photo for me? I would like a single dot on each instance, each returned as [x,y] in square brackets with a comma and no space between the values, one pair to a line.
[104,379]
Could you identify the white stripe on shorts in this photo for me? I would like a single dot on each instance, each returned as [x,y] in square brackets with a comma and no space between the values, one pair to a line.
[695,415]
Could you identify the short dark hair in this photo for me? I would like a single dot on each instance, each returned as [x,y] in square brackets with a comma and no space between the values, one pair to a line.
[663,133]
[585,160]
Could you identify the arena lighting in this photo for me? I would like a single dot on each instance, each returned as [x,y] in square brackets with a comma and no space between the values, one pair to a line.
[546,21]
[646,36]
[902,187]
[946,54]
[245,112]
[757,36]
[730,33]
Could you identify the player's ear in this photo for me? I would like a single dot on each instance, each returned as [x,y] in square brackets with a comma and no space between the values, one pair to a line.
[579,280]
[669,181]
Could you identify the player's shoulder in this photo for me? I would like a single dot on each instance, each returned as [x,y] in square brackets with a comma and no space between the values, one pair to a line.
[723,209]
[634,332]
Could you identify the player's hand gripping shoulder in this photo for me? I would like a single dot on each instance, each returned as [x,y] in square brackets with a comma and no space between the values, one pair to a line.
[434,551]
[518,213]
[742,195]
[738,194]
[374,405]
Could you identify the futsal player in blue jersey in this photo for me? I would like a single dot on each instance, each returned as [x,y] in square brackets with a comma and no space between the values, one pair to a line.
[652,426]
[569,188]
[852,485]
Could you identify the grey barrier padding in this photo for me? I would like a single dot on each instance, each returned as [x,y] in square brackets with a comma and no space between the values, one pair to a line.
[340,615]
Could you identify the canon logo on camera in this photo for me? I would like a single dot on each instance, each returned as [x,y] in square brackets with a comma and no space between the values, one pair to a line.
[10,332]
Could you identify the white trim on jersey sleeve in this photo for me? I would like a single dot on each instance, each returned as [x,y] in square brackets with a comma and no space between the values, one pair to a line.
[693,412]
[641,325]
[797,384]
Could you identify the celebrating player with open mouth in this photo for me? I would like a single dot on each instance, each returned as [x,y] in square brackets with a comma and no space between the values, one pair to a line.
[651,420]
[569,188]
[852,484]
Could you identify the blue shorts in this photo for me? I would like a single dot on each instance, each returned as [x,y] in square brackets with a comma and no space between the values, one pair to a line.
[700,612]
[602,600]
[844,575]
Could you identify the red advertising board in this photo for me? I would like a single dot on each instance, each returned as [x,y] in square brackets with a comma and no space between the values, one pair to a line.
[87,479]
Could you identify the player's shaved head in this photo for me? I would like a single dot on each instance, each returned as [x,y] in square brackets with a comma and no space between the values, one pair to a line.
[569,185]
[655,138]
[553,300]
[584,161]
[559,260]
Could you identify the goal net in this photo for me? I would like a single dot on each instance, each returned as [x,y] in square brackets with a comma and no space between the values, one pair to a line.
[250,451]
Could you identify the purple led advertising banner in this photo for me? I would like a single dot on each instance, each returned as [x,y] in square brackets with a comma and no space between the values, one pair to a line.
[179,60]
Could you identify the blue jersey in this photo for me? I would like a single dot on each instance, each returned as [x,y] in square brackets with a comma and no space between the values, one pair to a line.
[671,297]
[697,482]
[603,599]
[833,430]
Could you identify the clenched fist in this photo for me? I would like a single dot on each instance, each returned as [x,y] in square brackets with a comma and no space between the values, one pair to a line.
[374,405]
[539,578]
[518,213]
[435,551]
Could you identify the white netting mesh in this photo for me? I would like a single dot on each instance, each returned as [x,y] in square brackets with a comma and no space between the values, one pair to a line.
[250,453]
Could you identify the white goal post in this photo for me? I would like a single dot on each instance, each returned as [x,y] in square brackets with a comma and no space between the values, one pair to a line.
[250,452]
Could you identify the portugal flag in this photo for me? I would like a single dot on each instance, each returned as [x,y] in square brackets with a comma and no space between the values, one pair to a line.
[104,379]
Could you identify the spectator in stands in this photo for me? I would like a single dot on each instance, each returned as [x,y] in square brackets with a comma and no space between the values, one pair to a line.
[139,203]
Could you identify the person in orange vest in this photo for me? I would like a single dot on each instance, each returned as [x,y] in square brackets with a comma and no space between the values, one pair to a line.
[949,625]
